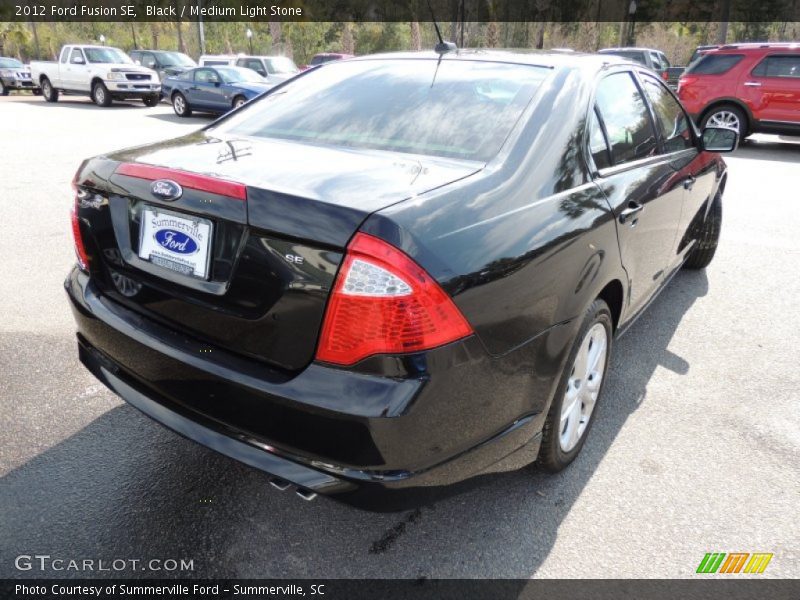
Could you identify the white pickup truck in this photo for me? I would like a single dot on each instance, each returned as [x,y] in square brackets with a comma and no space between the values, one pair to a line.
[101,72]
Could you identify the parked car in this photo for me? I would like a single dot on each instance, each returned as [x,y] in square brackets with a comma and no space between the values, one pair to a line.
[650,58]
[165,63]
[325,57]
[216,90]
[100,72]
[274,68]
[217,60]
[15,76]
[750,88]
[355,295]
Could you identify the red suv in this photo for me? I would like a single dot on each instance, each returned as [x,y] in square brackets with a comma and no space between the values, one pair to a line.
[751,88]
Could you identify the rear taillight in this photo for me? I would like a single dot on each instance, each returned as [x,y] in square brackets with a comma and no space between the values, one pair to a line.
[80,249]
[665,76]
[384,303]
[684,81]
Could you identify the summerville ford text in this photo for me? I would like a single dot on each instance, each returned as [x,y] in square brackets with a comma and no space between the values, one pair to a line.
[177,589]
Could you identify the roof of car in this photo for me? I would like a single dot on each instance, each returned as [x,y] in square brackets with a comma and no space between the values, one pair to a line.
[540,58]
[757,46]
[630,49]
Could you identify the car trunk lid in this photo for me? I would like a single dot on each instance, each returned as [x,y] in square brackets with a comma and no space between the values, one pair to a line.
[276,217]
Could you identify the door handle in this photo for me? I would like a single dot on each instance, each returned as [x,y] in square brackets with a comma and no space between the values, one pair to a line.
[688,183]
[752,83]
[633,208]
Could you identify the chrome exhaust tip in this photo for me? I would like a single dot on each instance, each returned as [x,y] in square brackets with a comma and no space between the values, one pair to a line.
[306,495]
[279,483]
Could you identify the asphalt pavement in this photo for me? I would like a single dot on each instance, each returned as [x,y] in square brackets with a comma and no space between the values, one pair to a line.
[695,448]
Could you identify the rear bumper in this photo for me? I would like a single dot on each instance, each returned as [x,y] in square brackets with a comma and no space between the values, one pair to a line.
[330,431]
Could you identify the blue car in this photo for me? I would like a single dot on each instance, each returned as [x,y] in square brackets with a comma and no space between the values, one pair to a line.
[212,89]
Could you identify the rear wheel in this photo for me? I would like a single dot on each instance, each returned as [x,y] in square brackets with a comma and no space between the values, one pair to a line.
[707,237]
[239,101]
[48,91]
[151,100]
[570,416]
[3,89]
[727,116]
[100,94]
[180,105]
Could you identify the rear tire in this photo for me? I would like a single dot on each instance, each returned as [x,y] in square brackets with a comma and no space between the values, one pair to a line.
[707,237]
[100,94]
[239,101]
[180,105]
[151,101]
[48,91]
[574,406]
[727,115]
[3,89]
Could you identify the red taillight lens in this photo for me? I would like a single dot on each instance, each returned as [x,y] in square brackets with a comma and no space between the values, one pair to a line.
[684,81]
[80,249]
[665,76]
[384,303]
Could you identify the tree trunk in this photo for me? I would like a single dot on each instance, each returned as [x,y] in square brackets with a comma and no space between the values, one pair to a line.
[276,33]
[154,32]
[181,44]
[416,39]
[349,44]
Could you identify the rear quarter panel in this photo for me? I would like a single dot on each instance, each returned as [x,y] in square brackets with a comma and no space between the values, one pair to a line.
[526,245]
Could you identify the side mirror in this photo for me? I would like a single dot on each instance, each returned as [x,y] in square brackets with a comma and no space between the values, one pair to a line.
[217,84]
[719,139]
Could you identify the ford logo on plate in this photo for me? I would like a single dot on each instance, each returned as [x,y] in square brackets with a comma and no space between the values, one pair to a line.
[166,189]
[175,241]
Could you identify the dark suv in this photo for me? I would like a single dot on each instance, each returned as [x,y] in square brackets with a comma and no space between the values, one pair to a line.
[751,88]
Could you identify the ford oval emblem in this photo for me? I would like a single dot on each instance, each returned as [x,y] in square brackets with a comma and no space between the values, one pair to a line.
[175,241]
[166,189]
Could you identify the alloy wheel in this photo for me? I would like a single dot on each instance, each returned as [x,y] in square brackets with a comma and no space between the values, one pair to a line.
[583,387]
[726,119]
[179,104]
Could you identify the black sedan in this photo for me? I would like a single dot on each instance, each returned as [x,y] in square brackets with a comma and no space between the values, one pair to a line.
[212,89]
[396,272]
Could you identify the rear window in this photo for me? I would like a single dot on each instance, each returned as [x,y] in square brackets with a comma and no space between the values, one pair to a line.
[714,64]
[458,109]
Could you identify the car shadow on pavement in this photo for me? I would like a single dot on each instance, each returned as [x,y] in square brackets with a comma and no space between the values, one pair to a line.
[173,118]
[81,103]
[787,150]
[124,487]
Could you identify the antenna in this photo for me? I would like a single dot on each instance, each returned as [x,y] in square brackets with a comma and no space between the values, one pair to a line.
[442,47]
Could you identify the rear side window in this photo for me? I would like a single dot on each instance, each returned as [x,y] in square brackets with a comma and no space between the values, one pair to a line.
[453,108]
[626,118]
[715,64]
[779,66]
[670,118]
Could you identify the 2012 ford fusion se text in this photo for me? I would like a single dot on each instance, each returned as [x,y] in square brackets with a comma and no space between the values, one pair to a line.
[394,272]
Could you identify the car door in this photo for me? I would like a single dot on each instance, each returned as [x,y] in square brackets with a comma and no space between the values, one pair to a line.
[77,71]
[204,90]
[638,181]
[774,86]
[694,170]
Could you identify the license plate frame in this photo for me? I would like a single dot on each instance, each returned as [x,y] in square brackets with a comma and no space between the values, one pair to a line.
[172,252]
